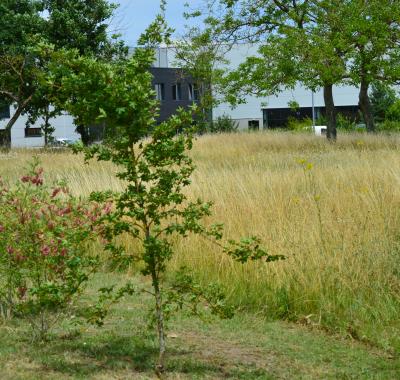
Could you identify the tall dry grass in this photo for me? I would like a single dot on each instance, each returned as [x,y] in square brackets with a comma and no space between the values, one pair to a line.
[332,209]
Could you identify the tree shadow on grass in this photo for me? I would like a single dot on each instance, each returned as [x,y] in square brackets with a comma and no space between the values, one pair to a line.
[80,358]
[112,353]
[196,368]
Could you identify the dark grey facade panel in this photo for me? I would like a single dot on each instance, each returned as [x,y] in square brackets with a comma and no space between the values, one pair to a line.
[170,77]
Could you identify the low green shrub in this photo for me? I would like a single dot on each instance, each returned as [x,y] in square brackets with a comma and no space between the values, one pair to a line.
[393,112]
[223,124]
[388,126]
[304,125]
[346,124]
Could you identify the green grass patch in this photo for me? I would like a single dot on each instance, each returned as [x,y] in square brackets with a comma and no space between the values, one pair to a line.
[245,347]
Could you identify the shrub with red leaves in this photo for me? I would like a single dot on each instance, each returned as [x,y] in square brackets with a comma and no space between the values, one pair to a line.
[44,260]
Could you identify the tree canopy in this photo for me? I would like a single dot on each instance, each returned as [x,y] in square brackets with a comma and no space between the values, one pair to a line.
[317,43]
[76,25]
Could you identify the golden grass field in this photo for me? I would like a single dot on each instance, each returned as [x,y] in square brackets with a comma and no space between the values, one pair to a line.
[332,209]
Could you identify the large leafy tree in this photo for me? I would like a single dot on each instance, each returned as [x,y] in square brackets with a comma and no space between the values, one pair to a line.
[297,45]
[318,43]
[78,24]
[372,29]
[21,23]
[20,19]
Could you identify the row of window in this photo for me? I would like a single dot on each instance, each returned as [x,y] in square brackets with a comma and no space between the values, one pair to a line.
[29,132]
[33,132]
[193,91]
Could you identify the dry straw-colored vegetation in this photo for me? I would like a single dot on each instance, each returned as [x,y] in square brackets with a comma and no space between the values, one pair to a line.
[332,209]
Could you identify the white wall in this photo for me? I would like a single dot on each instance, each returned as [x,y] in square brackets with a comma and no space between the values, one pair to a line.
[64,128]
[243,124]
[343,95]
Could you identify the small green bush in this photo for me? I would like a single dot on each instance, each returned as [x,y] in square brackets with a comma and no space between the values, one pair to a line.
[382,98]
[304,125]
[393,112]
[223,124]
[345,123]
[388,126]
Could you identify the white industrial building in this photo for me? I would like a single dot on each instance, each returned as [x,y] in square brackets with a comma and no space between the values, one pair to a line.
[257,109]
[255,113]
[22,137]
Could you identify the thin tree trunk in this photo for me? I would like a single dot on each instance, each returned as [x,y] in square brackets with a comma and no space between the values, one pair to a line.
[365,106]
[159,368]
[160,324]
[161,334]
[46,127]
[330,112]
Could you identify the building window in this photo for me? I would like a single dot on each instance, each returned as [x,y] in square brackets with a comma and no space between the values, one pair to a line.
[4,111]
[254,125]
[33,132]
[160,91]
[193,91]
[177,91]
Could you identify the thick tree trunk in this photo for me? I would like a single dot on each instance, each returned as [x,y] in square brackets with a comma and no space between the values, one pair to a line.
[13,120]
[6,140]
[330,112]
[83,131]
[10,124]
[365,106]
[15,117]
